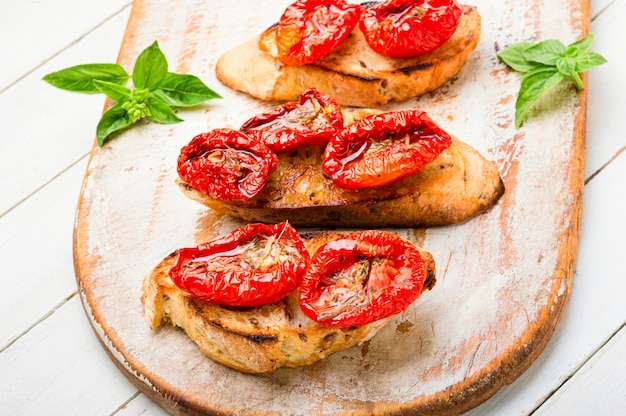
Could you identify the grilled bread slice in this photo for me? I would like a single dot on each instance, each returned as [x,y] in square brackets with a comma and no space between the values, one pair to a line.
[352,73]
[255,340]
[457,185]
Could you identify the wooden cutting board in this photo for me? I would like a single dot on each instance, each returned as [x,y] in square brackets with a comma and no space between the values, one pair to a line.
[503,277]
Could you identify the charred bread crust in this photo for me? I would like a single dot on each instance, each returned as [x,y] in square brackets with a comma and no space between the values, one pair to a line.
[254,340]
[352,73]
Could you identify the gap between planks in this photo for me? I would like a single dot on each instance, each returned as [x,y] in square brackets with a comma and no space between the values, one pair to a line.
[38,321]
[607,163]
[578,368]
[36,190]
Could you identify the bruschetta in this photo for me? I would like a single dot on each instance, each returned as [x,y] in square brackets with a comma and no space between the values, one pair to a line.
[453,186]
[352,72]
[265,337]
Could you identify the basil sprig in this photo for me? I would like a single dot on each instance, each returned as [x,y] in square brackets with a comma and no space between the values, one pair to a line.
[545,65]
[156,91]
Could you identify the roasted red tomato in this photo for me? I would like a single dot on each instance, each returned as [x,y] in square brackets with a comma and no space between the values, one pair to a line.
[226,164]
[361,278]
[311,121]
[383,148]
[251,266]
[407,28]
[310,29]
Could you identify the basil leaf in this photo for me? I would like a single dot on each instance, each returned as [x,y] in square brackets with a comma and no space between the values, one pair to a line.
[547,52]
[150,68]
[513,57]
[584,44]
[161,112]
[114,119]
[80,78]
[182,90]
[113,91]
[588,60]
[534,85]
[546,64]
[567,67]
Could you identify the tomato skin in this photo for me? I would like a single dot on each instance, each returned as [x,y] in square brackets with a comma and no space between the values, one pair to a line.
[311,121]
[407,28]
[310,29]
[383,148]
[394,280]
[226,164]
[227,270]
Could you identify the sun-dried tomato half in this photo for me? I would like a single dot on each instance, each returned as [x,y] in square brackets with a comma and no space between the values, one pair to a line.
[382,149]
[310,29]
[251,266]
[311,121]
[361,278]
[226,164]
[407,28]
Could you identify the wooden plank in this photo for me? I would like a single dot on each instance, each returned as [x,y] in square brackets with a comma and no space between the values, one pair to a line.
[65,122]
[59,23]
[41,229]
[601,378]
[463,345]
[59,368]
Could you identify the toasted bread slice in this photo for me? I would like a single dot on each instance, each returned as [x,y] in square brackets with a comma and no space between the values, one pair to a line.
[352,73]
[457,185]
[255,340]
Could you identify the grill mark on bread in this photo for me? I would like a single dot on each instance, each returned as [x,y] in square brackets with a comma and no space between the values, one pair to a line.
[195,307]
[420,67]
[260,338]
[361,78]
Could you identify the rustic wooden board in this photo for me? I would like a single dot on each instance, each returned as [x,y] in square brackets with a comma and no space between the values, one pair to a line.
[503,277]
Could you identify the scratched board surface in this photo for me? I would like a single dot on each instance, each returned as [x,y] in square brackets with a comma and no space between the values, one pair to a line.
[503,277]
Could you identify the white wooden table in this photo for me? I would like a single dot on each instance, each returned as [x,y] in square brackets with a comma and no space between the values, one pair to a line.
[50,360]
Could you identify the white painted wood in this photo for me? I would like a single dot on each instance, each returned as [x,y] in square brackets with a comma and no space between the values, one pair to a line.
[59,368]
[599,388]
[36,254]
[44,130]
[33,31]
